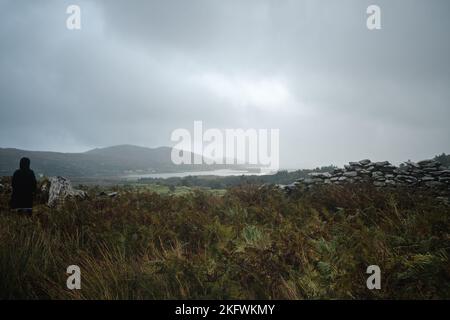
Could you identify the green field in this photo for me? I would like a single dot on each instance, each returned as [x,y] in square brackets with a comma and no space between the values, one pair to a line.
[177,190]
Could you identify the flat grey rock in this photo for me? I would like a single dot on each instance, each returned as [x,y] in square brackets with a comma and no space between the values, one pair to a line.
[350,174]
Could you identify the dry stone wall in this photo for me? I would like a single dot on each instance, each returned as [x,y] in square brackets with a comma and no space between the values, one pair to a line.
[427,174]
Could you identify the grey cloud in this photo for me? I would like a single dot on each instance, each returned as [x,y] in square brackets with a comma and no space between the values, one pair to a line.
[138,70]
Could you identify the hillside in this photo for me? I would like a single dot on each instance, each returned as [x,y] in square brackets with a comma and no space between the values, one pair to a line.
[110,161]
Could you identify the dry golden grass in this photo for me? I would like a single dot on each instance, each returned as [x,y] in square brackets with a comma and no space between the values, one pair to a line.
[250,243]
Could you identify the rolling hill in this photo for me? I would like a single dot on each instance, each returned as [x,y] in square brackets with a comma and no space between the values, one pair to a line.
[109,161]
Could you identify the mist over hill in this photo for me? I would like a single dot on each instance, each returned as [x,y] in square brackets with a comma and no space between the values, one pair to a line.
[109,161]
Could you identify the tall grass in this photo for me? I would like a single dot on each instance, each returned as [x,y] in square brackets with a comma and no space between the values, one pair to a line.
[250,243]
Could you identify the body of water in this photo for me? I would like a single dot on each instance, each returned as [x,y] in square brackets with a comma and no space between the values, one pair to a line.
[220,173]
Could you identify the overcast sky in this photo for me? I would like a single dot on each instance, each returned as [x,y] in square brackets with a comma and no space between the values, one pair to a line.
[137,70]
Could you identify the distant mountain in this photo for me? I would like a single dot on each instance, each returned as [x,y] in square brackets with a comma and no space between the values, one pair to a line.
[110,161]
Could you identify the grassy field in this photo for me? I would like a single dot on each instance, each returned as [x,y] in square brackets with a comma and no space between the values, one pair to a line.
[171,190]
[243,243]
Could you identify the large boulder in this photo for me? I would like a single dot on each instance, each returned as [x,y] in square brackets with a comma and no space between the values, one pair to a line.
[59,189]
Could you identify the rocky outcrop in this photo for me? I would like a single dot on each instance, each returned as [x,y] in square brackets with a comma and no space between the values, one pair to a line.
[426,174]
[59,189]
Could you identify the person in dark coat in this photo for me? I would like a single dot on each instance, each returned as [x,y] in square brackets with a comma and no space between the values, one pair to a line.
[23,187]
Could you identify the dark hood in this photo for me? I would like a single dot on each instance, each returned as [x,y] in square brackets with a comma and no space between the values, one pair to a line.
[25,164]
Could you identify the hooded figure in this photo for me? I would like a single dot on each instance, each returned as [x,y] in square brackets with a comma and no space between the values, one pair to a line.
[23,186]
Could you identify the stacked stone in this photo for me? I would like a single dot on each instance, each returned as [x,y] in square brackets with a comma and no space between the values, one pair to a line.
[424,174]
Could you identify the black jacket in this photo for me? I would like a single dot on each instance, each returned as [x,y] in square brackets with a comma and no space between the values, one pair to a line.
[23,186]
